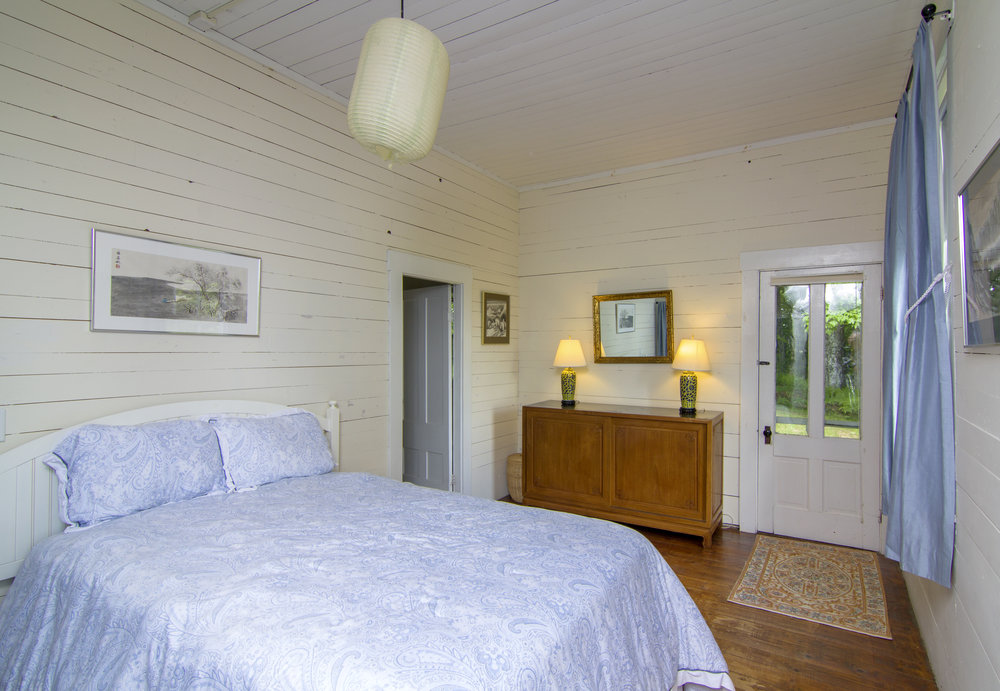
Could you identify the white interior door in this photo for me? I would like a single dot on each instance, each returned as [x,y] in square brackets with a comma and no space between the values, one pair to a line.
[820,404]
[427,390]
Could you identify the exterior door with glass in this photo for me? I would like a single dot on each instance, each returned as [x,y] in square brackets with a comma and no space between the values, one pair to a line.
[820,405]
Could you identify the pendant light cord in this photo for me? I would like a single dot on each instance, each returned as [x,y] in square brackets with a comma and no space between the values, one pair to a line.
[401,9]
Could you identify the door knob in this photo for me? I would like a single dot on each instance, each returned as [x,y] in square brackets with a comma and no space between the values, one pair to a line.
[767,434]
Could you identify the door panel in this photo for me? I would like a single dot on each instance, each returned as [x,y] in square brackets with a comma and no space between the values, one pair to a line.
[793,490]
[567,459]
[657,467]
[839,481]
[820,393]
[427,404]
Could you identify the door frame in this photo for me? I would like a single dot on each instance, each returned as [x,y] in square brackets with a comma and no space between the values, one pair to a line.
[751,266]
[460,277]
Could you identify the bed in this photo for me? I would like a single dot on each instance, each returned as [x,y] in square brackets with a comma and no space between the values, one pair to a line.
[278,572]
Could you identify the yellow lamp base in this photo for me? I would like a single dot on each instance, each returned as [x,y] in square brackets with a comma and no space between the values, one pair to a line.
[568,387]
[689,393]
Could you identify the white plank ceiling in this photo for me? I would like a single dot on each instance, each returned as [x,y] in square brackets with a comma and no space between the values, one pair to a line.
[550,90]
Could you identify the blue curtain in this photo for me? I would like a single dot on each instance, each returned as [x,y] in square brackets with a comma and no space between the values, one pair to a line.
[660,334]
[918,454]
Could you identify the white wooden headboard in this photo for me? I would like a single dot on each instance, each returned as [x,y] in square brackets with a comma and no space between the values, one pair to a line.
[29,508]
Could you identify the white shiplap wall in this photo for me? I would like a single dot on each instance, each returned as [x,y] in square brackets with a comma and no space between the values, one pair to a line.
[113,116]
[961,626]
[682,227]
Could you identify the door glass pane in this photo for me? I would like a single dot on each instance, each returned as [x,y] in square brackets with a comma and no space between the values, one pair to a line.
[842,366]
[791,367]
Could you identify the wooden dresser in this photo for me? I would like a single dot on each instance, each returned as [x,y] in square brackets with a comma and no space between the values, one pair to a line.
[633,464]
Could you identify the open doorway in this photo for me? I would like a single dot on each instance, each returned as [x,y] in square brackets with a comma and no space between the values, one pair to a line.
[420,273]
[428,313]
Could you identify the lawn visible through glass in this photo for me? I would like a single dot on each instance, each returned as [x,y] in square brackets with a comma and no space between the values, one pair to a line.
[791,367]
[840,359]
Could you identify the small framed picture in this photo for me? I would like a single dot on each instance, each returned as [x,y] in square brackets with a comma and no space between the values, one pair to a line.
[980,247]
[496,318]
[624,317]
[140,284]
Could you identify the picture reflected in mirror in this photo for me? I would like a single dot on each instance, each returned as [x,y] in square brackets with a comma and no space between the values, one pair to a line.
[634,327]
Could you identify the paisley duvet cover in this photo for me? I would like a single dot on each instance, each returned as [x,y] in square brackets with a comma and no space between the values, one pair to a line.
[351,581]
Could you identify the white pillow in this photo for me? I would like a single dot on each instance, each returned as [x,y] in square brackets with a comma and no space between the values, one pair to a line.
[259,450]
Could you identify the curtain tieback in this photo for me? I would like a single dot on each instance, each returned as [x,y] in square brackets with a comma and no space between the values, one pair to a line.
[944,278]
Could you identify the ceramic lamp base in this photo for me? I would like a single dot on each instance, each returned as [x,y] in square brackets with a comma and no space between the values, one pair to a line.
[689,393]
[568,387]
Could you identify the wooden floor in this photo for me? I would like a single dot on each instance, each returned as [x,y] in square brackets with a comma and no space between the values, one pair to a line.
[771,651]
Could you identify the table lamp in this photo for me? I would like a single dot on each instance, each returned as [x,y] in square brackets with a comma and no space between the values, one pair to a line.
[569,355]
[690,357]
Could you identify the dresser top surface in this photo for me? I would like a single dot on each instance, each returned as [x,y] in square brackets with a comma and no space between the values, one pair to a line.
[614,408]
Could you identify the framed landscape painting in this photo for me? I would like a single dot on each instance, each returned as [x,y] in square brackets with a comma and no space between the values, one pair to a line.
[139,284]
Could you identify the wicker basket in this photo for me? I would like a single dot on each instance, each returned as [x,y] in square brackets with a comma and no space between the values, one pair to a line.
[515,468]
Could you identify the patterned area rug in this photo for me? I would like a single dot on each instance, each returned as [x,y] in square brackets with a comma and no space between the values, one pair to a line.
[836,586]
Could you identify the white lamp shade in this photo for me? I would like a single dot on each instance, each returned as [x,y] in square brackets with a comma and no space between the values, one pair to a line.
[569,354]
[398,90]
[691,356]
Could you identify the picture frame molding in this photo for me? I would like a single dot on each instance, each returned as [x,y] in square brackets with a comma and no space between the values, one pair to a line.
[624,310]
[104,242]
[973,291]
[493,299]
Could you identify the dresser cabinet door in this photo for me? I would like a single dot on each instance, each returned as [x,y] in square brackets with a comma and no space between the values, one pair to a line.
[659,468]
[565,458]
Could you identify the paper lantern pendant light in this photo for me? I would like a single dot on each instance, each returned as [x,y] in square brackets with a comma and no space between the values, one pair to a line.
[398,90]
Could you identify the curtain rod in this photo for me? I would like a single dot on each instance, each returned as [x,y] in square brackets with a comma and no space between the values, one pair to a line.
[929,13]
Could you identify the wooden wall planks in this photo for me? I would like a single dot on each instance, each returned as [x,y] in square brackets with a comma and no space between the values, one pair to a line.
[117,118]
[682,227]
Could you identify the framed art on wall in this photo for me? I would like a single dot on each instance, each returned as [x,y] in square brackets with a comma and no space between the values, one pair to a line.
[140,284]
[980,245]
[496,318]
[624,317]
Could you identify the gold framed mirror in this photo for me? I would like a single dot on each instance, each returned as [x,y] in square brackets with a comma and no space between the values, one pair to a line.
[634,327]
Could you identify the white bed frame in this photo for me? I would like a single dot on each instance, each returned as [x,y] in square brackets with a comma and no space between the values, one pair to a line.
[29,509]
